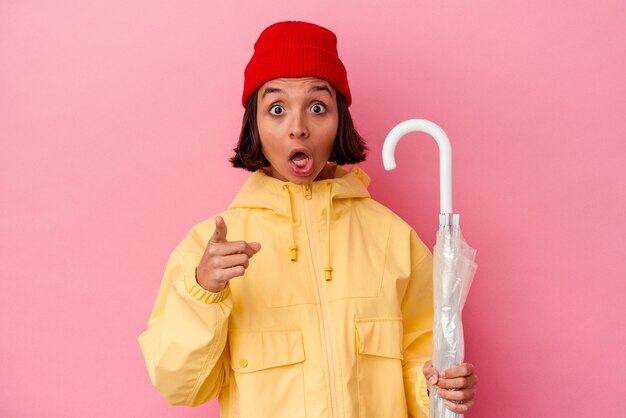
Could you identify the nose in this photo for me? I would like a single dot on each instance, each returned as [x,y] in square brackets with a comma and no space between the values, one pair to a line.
[298,128]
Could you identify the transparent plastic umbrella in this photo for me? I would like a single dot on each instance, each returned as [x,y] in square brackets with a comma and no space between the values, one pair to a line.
[453,259]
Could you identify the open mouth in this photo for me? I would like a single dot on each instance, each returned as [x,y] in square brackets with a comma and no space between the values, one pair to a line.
[300,159]
[301,163]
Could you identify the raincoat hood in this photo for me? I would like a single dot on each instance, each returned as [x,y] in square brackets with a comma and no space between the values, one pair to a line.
[264,192]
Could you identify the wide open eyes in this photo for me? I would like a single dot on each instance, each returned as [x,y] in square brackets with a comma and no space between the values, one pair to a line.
[276,110]
[316,108]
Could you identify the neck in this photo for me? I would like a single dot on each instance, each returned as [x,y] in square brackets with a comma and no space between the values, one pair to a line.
[328,172]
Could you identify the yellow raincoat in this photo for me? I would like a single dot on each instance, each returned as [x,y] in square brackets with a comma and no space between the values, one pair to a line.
[331,319]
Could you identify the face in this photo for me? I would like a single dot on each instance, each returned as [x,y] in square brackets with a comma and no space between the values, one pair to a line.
[297,120]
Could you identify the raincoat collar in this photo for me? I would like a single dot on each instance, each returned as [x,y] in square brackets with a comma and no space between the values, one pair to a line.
[261,191]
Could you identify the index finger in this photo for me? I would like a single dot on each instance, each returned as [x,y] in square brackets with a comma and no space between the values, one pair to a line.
[219,235]
[462,370]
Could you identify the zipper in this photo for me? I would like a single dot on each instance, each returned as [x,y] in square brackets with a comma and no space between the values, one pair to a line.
[319,281]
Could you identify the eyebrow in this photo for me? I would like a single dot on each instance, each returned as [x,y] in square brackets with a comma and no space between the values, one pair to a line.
[319,87]
[271,90]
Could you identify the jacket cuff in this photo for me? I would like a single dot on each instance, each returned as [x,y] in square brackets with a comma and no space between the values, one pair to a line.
[200,294]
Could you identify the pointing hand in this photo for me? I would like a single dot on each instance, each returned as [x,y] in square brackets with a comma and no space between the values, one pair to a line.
[223,260]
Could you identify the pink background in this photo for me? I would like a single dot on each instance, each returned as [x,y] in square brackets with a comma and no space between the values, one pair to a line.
[117,119]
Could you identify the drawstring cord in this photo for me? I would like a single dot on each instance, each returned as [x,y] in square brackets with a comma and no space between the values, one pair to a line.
[328,270]
[293,248]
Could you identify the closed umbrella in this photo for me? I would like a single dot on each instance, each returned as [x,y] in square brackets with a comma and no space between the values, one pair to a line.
[453,259]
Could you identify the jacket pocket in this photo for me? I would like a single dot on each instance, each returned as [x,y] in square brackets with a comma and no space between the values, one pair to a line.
[379,367]
[268,372]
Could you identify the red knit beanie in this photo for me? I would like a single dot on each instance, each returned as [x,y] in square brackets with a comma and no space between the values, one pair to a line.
[294,50]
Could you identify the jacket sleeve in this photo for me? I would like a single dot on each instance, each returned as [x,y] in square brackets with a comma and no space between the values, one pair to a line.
[417,313]
[184,346]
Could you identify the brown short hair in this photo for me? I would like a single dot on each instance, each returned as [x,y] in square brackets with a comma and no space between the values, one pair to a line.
[348,148]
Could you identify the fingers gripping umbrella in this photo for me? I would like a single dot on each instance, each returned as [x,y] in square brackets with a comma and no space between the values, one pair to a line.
[453,259]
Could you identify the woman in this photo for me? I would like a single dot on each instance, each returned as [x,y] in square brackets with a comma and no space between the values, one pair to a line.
[305,297]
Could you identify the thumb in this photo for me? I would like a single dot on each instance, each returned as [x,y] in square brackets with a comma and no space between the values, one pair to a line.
[430,373]
[256,247]
[220,230]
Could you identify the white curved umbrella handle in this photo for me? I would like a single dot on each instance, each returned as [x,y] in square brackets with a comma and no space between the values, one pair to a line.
[445,154]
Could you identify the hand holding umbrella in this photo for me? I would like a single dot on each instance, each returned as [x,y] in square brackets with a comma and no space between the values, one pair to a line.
[455,386]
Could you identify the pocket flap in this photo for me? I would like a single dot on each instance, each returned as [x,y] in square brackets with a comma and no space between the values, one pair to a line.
[380,337]
[255,350]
